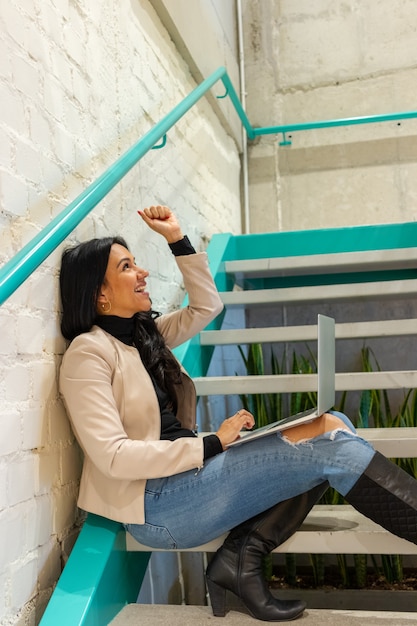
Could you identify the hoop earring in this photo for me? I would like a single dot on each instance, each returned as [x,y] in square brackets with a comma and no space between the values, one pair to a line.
[108,305]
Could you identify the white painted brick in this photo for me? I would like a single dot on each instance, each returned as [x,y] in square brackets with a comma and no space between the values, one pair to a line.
[77,19]
[40,131]
[46,470]
[52,23]
[80,89]
[54,341]
[30,334]
[53,101]
[49,563]
[13,21]
[5,148]
[20,479]
[17,382]
[40,287]
[73,118]
[35,43]
[12,535]
[24,581]
[71,463]
[59,424]
[12,109]
[61,8]
[25,77]
[10,428]
[52,175]
[3,489]
[7,333]
[63,146]
[34,428]
[38,521]
[74,47]
[4,584]
[5,65]
[65,509]
[27,162]
[13,194]
[44,383]
[62,70]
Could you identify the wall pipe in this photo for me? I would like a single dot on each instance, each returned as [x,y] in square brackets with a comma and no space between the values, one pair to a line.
[245,169]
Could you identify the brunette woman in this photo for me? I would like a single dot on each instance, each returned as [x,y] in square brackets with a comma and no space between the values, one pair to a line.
[132,408]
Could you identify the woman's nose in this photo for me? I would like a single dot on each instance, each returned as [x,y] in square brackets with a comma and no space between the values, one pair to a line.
[141,272]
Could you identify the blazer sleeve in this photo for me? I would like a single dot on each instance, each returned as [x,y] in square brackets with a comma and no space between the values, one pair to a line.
[204,303]
[86,386]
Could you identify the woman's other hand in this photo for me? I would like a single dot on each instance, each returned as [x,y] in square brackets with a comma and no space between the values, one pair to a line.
[230,429]
[163,221]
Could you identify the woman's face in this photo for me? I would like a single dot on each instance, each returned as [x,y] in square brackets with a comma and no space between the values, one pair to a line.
[124,285]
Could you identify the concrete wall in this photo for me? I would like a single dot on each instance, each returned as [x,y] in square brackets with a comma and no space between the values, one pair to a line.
[308,61]
[80,82]
[322,60]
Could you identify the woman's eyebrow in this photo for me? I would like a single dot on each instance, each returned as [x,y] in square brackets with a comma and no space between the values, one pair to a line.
[126,258]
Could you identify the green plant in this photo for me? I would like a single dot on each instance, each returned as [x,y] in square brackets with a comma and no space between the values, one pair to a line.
[374,410]
[266,408]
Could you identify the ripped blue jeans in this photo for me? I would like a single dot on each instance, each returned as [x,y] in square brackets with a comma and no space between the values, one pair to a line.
[193,507]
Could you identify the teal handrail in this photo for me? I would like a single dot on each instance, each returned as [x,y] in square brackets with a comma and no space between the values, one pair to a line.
[347,121]
[18,269]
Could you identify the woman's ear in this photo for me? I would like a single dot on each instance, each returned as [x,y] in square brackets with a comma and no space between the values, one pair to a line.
[102,301]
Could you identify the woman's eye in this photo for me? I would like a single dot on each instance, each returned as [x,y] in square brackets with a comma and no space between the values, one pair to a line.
[126,266]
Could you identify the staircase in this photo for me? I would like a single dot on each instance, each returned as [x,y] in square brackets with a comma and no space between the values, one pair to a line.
[372,268]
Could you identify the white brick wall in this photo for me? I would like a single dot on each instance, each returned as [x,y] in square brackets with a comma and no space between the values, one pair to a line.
[80,82]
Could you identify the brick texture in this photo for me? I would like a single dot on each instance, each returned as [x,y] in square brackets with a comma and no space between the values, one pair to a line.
[80,82]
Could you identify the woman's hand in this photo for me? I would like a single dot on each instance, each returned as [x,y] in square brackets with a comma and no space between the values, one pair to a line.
[231,427]
[163,221]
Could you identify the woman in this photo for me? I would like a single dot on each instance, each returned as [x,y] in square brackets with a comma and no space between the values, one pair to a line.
[132,409]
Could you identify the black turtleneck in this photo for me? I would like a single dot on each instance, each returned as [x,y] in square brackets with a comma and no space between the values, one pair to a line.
[123,329]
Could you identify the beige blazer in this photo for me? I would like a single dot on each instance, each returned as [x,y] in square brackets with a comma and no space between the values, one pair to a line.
[114,411]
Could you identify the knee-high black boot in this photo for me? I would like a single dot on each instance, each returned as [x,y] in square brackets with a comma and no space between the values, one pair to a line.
[237,565]
[387,495]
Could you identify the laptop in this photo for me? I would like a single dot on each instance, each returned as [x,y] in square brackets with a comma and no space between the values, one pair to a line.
[325,386]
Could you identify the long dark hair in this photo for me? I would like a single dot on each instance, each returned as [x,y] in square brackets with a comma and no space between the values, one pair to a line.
[83,268]
[82,275]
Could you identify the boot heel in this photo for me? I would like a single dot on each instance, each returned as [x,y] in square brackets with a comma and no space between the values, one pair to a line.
[217,598]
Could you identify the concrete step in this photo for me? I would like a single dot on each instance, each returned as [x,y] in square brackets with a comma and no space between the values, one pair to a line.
[328,529]
[346,330]
[290,383]
[362,261]
[174,615]
[351,292]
